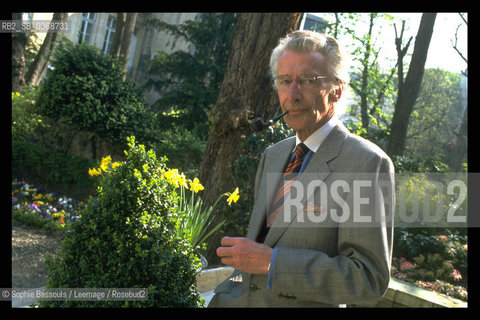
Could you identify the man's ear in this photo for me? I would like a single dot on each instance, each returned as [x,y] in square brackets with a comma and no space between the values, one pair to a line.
[336,93]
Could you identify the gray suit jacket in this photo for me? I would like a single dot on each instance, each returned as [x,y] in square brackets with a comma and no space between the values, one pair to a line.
[337,253]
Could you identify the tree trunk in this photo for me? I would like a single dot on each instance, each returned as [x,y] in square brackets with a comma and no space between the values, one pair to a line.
[365,77]
[128,30]
[19,40]
[117,39]
[122,41]
[411,87]
[39,65]
[246,91]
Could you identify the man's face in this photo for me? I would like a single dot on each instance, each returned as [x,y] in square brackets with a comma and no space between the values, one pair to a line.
[308,108]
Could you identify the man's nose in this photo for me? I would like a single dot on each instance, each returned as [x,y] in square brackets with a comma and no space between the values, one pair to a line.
[294,90]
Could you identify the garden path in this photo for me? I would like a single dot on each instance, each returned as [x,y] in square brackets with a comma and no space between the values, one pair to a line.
[29,247]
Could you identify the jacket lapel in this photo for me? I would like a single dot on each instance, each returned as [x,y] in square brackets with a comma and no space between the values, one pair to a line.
[275,161]
[317,170]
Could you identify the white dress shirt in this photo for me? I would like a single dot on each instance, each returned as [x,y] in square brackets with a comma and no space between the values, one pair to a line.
[314,141]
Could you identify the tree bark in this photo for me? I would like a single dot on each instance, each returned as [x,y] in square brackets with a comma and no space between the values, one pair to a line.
[126,43]
[411,87]
[19,41]
[246,91]
[365,78]
[117,39]
[400,54]
[39,65]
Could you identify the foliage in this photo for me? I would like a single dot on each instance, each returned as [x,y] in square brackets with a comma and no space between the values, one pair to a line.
[50,211]
[85,90]
[432,203]
[439,259]
[412,243]
[436,114]
[377,134]
[433,124]
[25,119]
[373,86]
[195,221]
[405,164]
[127,238]
[184,148]
[52,169]
[444,287]
[428,273]
[191,81]
[32,46]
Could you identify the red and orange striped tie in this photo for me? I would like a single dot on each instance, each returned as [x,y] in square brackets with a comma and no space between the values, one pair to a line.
[289,177]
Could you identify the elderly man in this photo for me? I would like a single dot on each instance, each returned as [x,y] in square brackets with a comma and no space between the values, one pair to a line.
[321,227]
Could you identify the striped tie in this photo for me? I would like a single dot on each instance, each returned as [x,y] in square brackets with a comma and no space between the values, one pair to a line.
[289,177]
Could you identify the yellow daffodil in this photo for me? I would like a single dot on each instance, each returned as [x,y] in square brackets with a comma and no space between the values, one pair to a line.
[94,172]
[105,163]
[182,180]
[171,175]
[195,185]
[233,197]
[177,179]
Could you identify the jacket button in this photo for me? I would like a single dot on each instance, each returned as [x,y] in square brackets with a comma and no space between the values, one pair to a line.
[253,287]
[287,296]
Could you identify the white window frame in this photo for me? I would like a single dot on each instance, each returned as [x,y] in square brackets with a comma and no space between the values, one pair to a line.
[109,34]
[87,27]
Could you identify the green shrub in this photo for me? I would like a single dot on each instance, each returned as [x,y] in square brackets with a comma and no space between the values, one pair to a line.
[25,120]
[126,238]
[184,149]
[86,90]
[404,164]
[448,244]
[51,169]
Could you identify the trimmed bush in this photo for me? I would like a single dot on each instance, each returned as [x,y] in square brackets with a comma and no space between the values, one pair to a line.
[86,90]
[126,238]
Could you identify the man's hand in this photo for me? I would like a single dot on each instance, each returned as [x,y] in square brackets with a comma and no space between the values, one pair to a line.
[245,255]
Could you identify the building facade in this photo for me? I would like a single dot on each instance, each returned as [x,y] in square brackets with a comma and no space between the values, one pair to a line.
[98,29]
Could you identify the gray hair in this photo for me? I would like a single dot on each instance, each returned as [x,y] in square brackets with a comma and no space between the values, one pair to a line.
[307,41]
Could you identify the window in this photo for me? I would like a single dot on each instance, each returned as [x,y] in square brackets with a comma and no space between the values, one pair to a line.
[109,35]
[314,23]
[86,31]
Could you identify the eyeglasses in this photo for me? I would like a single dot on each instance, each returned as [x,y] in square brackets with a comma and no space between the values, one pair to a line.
[304,81]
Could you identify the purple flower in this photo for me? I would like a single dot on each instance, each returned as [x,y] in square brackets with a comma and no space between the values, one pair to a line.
[33,206]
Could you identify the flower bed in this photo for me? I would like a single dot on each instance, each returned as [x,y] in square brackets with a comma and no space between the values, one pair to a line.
[34,206]
[443,279]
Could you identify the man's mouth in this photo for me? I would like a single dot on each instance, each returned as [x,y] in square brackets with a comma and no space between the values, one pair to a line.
[293,112]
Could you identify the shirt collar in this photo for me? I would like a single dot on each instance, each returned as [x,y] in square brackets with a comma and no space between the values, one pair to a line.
[314,141]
